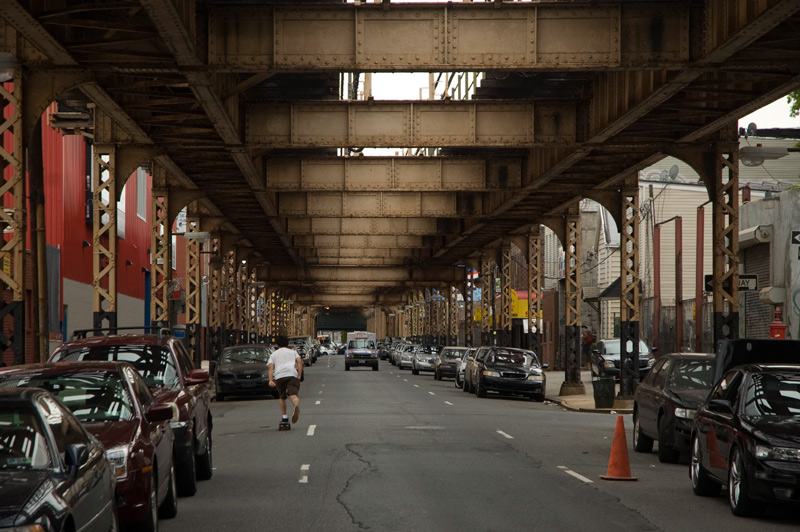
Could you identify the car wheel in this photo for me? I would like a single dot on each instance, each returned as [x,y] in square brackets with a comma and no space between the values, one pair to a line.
[480,391]
[458,383]
[169,507]
[375,367]
[641,443]
[205,462]
[414,371]
[346,367]
[667,454]
[701,482]
[218,395]
[187,477]
[150,523]
[436,376]
[741,503]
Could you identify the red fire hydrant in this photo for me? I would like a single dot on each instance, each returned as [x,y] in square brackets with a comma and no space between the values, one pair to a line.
[777,329]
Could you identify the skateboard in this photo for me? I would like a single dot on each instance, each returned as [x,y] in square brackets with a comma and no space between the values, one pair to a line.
[284,425]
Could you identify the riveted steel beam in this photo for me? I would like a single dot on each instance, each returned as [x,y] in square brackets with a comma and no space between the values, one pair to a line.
[323,274]
[487,298]
[388,204]
[504,321]
[361,226]
[535,289]
[104,236]
[394,174]
[194,283]
[462,37]
[630,309]
[572,314]
[374,242]
[160,250]
[389,124]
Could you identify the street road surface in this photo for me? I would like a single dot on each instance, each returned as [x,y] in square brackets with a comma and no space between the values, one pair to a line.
[391,451]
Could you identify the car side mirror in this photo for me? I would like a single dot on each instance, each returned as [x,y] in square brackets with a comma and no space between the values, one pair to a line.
[197,376]
[721,406]
[158,413]
[545,366]
[76,455]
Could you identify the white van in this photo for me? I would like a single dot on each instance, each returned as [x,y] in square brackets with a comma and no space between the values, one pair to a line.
[361,350]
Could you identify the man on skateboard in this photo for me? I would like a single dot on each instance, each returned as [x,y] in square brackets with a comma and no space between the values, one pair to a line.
[285,368]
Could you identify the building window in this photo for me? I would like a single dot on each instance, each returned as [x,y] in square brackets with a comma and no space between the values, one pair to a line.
[121,214]
[141,193]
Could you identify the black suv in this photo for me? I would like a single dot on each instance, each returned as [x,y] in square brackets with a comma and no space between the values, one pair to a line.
[163,362]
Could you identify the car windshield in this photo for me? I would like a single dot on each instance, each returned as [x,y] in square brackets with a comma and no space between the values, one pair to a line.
[510,358]
[361,344]
[248,355]
[612,347]
[691,375]
[153,362]
[455,354]
[91,395]
[23,444]
[773,394]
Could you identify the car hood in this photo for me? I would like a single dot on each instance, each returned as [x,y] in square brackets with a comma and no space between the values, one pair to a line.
[113,433]
[254,367]
[691,398]
[16,487]
[779,431]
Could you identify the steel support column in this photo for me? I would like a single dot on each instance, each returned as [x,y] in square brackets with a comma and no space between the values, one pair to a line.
[104,236]
[160,250]
[194,275]
[504,321]
[487,297]
[215,298]
[13,217]
[230,272]
[453,321]
[535,292]
[630,311]
[725,284]
[469,307]
[572,318]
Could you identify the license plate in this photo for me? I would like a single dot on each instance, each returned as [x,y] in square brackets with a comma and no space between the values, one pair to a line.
[248,385]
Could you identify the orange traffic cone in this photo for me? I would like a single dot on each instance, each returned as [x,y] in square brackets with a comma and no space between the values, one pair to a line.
[619,468]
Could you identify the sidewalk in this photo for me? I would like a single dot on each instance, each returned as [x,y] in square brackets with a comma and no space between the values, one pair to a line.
[585,401]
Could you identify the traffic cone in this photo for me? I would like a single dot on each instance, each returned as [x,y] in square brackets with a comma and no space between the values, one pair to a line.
[619,468]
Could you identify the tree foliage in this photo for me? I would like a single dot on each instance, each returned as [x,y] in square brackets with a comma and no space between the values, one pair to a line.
[794,101]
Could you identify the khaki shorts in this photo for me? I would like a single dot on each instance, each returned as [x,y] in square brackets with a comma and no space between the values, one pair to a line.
[287,386]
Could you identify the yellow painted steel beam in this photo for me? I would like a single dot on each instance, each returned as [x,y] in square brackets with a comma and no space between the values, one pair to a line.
[421,124]
[358,242]
[322,274]
[461,37]
[394,174]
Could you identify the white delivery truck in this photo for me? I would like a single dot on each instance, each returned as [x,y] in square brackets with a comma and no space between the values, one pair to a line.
[361,350]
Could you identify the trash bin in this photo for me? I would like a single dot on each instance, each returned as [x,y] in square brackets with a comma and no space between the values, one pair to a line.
[603,392]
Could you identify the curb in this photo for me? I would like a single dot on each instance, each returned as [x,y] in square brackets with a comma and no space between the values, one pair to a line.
[565,404]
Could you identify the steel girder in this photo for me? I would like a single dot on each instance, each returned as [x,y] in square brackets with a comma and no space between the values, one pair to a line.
[487,298]
[630,305]
[194,283]
[572,310]
[535,290]
[504,318]
[104,236]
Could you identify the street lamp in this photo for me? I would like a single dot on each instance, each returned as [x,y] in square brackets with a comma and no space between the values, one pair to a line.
[8,64]
[756,155]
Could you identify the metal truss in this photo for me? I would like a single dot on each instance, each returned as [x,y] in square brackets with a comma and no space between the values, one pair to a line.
[572,281]
[230,272]
[104,236]
[214,298]
[725,283]
[487,297]
[193,290]
[13,218]
[469,307]
[630,310]
[506,303]
[160,250]
[535,290]
[453,307]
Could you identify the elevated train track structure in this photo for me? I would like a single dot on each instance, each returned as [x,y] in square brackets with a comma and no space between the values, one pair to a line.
[235,107]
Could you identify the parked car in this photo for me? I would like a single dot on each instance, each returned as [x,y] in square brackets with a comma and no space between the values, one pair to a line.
[746,436]
[162,360]
[405,358]
[462,365]
[666,401]
[302,344]
[55,474]
[242,370]
[447,361]
[115,405]
[509,370]
[424,358]
[473,365]
[606,355]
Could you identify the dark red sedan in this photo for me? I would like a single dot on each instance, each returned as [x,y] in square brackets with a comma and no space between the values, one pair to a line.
[114,404]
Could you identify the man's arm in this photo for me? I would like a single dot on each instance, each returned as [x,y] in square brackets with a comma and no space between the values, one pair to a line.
[298,362]
[270,371]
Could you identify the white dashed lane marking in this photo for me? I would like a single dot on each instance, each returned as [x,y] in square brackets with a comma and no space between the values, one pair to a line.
[501,433]
[318,402]
[431,393]
[448,403]
[311,429]
[304,473]
[571,473]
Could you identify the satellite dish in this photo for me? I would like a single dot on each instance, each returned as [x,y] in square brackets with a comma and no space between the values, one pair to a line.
[662,176]
[673,171]
[752,129]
